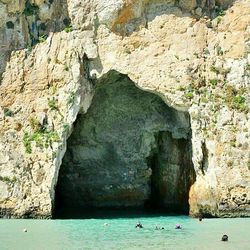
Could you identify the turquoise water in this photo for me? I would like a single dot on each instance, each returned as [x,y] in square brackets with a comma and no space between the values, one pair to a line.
[122,234]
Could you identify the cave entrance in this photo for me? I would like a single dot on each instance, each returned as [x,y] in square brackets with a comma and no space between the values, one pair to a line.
[130,150]
[172,174]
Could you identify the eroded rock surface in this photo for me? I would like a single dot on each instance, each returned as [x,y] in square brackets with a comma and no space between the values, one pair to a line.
[193,54]
[26,23]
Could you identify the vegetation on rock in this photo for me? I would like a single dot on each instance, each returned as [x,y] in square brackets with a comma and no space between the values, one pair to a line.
[30,9]
[43,139]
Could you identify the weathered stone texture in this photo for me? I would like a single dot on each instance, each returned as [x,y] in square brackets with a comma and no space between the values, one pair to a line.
[194,55]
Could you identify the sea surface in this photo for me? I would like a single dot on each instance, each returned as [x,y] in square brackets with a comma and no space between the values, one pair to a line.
[120,233]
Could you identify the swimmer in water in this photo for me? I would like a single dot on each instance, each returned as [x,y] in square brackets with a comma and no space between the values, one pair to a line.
[138,225]
[177,226]
[224,238]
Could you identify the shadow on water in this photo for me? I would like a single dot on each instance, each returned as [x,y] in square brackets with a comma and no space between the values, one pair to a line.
[102,213]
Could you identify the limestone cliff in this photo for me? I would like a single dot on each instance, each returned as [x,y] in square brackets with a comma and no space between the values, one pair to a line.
[176,75]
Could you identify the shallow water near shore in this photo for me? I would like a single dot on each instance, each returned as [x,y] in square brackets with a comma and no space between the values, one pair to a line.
[122,234]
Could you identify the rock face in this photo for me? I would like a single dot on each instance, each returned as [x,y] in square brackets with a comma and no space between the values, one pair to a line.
[129,150]
[57,55]
[26,23]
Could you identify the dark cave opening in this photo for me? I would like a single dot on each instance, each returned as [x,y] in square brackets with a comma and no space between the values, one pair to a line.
[129,153]
[172,174]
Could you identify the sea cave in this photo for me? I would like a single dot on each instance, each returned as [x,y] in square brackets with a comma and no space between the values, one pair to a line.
[129,151]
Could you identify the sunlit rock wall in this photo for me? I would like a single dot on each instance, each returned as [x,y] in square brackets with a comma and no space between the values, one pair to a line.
[193,54]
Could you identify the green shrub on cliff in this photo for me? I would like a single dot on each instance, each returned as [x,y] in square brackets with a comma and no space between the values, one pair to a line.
[221,12]
[235,99]
[219,70]
[27,143]
[68,29]
[8,179]
[239,102]
[42,138]
[213,82]
[42,38]
[35,124]
[52,103]
[30,9]
[189,95]
[189,92]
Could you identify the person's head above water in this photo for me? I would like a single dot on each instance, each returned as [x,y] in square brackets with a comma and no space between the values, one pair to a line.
[224,238]
[139,225]
[177,226]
